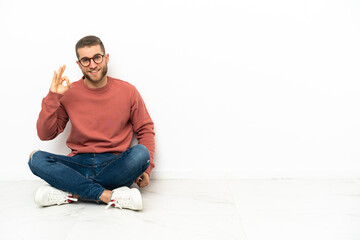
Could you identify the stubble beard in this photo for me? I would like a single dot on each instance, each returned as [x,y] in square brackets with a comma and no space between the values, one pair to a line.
[103,72]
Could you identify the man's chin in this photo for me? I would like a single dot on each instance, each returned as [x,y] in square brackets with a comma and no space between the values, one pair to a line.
[92,79]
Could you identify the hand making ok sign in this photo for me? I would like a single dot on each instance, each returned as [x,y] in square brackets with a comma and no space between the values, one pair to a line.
[58,80]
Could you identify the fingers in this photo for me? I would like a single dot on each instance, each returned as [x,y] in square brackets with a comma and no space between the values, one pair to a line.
[54,77]
[143,183]
[65,78]
[61,70]
[60,73]
[58,80]
[138,180]
[143,180]
[58,76]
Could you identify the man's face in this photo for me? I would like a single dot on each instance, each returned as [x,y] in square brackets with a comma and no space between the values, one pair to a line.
[95,72]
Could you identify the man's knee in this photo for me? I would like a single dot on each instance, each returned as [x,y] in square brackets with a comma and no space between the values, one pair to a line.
[142,151]
[35,159]
[141,155]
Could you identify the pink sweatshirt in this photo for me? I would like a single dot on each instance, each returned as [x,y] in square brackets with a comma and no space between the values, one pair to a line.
[102,120]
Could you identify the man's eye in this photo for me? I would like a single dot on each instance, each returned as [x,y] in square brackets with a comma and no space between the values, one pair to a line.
[85,60]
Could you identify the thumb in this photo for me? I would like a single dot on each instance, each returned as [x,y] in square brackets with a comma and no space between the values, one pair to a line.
[68,83]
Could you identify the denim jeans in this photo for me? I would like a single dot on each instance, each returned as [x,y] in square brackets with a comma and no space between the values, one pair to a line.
[89,174]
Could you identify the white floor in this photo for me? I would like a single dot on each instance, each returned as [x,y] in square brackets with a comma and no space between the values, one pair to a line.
[194,209]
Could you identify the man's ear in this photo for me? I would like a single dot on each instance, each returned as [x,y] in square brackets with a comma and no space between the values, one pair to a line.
[78,63]
[107,58]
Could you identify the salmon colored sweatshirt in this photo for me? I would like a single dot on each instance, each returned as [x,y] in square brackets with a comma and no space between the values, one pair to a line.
[102,120]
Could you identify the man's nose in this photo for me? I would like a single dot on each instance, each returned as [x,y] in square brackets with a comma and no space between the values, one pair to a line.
[92,63]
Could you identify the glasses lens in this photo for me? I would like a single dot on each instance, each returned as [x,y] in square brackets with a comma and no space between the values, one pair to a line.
[85,62]
[98,58]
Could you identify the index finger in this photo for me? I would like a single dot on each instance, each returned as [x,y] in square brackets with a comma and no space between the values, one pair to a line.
[68,83]
[62,69]
[58,74]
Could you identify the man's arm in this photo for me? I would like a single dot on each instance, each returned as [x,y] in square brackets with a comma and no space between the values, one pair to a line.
[144,128]
[53,117]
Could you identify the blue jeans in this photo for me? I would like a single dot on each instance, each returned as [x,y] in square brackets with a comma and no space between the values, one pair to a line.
[89,174]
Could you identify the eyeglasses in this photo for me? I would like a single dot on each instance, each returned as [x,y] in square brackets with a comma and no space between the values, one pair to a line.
[97,58]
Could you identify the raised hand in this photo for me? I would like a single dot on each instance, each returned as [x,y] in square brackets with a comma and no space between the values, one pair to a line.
[58,80]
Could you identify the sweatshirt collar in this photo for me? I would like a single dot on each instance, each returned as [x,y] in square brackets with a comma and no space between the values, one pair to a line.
[97,90]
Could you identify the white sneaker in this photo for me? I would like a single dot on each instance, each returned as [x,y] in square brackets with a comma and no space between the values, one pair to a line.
[48,196]
[125,197]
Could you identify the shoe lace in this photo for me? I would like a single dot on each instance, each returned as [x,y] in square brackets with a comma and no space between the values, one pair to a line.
[119,202]
[60,198]
[68,199]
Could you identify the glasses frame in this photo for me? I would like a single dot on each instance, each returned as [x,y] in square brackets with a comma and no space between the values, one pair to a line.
[98,54]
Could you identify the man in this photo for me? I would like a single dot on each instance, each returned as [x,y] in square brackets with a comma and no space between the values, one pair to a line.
[104,112]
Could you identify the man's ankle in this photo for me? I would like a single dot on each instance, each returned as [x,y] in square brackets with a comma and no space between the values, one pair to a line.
[106,196]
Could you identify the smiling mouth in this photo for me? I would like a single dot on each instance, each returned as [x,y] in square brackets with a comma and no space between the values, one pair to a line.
[94,72]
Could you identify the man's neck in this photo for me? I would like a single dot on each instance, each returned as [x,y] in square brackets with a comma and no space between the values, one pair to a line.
[97,84]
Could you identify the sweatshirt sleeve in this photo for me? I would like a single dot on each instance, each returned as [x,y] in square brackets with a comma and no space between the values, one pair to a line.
[52,118]
[143,126]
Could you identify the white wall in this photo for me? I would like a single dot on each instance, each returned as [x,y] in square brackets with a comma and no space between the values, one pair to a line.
[248,89]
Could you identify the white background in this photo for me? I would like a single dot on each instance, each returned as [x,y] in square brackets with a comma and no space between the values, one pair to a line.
[246,89]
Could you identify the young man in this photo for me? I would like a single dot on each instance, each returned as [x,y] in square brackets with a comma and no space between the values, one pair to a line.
[104,112]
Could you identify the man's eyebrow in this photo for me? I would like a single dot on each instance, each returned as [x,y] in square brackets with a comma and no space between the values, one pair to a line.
[93,55]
